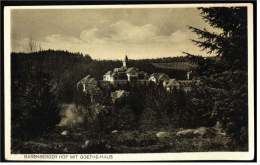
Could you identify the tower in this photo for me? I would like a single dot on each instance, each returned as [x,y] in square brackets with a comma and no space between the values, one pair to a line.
[189,75]
[125,60]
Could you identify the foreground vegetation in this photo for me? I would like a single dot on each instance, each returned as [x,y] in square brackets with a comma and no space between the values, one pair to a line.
[121,142]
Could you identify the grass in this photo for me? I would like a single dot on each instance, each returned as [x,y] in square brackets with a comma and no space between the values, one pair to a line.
[120,142]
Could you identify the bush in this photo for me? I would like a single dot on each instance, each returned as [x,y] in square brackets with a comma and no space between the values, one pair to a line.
[231,107]
[125,119]
[36,109]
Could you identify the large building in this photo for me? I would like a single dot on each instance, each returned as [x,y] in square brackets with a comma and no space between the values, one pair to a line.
[125,74]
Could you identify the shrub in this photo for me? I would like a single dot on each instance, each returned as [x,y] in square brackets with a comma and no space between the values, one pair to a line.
[231,107]
[35,110]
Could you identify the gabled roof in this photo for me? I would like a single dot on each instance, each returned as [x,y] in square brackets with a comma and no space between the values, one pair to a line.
[88,80]
[142,72]
[132,70]
[121,69]
[172,82]
[92,81]
[85,78]
[163,76]
[113,74]
[108,73]
[156,75]
[160,76]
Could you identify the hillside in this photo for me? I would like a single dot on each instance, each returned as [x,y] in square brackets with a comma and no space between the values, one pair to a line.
[181,66]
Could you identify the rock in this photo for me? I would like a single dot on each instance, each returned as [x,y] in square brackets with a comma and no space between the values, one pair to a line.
[86,143]
[218,125]
[115,131]
[219,129]
[208,132]
[201,131]
[186,132]
[65,149]
[163,134]
[65,133]
[108,146]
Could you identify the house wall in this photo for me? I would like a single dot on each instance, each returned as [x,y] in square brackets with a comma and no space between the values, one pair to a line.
[108,78]
[152,79]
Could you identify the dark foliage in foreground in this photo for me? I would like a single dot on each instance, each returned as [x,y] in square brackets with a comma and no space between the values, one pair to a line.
[229,72]
[34,106]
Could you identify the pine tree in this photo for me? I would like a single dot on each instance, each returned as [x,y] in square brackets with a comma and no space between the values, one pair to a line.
[230,42]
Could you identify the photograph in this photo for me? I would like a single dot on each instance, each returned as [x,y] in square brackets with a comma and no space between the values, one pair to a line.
[146,82]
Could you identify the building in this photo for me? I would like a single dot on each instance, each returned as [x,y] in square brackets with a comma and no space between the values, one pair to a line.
[185,85]
[108,76]
[125,74]
[125,60]
[87,81]
[188,85]
[158,78]
[171,84]
[184,69]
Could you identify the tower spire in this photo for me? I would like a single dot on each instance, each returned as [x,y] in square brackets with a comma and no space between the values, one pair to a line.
[125,61]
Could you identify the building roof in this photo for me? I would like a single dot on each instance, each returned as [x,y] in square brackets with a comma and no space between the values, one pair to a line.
[108,72]
[154,75]
[121,69]
[172,82]
[85,79]
[88,80]
[142,72]
[132,70]
[160,76]
[114,74]
[92,81]
[163,76]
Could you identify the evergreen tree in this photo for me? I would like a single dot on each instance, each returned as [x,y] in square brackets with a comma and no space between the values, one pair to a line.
[229,74]
[230,42]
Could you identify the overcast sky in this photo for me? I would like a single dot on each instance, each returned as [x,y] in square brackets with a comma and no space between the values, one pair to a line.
[108,33]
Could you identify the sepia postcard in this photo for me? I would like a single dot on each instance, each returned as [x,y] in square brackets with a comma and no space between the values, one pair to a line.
[134,82]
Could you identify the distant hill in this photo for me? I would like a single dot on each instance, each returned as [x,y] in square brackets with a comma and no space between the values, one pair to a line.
[181,66]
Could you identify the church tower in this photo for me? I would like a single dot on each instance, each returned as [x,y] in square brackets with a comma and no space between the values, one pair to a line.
[125,60]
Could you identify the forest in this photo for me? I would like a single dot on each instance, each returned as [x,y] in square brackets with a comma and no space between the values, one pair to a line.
[149,119]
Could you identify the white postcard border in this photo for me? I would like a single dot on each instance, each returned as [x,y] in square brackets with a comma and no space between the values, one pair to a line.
[130,157]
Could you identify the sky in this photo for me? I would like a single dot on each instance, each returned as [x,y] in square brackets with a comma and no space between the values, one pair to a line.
[108,33]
